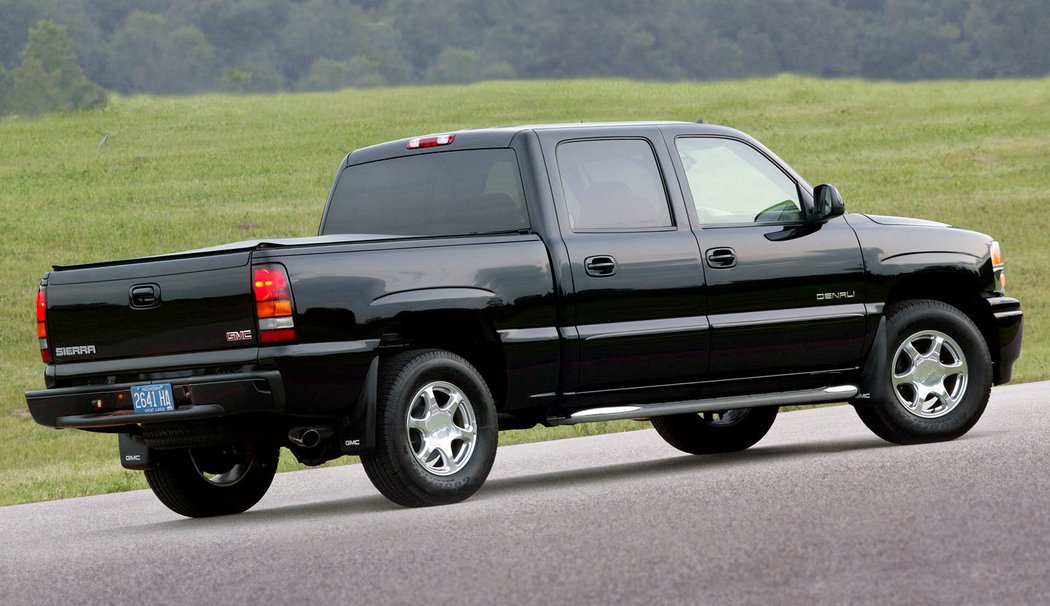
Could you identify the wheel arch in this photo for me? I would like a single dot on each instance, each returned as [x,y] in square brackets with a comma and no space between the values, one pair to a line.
[465,332]
[961,290]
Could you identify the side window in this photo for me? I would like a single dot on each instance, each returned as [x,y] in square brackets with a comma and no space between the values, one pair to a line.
[733,183]
[612,184]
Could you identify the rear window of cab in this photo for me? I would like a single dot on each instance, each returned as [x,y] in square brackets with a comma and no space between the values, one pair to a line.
[435,194]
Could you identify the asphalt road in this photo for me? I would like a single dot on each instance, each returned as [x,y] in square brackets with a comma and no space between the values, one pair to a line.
[820,511]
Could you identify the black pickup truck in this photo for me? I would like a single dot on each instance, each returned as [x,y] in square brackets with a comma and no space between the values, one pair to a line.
[482,280]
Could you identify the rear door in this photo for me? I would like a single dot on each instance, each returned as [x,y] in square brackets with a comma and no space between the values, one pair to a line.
[636,315]
[783,297]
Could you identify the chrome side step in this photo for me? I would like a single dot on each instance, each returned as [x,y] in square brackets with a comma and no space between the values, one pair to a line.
[837,393]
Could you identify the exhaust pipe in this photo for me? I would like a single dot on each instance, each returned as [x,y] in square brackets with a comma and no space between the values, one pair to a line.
[308,437]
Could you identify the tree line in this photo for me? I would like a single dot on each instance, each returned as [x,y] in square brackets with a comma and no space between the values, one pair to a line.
[187,46]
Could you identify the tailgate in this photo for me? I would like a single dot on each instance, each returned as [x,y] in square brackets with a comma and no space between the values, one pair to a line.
[151,307]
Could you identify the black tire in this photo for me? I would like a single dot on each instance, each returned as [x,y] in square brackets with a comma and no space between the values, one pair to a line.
[714,432]
[213,481]
[948,358]
[410,465]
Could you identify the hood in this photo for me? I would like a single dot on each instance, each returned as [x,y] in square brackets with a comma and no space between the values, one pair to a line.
[887,220]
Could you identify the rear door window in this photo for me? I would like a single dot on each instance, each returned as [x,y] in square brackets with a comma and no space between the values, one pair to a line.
[612,184]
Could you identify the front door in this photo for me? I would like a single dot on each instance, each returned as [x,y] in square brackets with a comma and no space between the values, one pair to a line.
[783,297]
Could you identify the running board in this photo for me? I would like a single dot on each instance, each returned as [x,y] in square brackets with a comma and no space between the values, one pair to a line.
[838,393]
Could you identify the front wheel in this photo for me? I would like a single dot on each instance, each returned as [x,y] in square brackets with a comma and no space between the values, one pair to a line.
[213,481]
[714,432]
[938,377]
[436,437]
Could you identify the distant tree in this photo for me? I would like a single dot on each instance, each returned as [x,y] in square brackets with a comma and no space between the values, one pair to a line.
[915,40]
[150,55]
[109,15]
[4,86]
[16,17]
[48,79]
[319,29]
[453,65]
[325,74]
[253,72]
[1010,39]
[235,25]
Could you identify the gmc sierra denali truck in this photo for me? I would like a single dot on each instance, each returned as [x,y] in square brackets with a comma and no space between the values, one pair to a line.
[470,282]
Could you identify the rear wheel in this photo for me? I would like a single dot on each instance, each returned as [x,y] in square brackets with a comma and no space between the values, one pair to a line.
[213,481]
[714,432]
[436,438]
[938,378]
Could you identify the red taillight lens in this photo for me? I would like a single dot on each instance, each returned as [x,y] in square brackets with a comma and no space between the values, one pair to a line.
[41,325]
[273,304]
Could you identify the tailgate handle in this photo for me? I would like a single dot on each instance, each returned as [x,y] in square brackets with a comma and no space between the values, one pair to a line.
[145,296]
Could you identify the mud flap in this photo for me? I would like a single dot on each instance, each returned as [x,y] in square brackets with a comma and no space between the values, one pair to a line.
[134,454]
[357,433]
[872,384]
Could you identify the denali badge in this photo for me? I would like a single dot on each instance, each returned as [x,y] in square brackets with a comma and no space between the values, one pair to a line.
[831,296]
[239,335]
[78,350]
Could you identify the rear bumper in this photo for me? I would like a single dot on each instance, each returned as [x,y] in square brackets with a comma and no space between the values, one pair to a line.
[202,397]
[1009,324]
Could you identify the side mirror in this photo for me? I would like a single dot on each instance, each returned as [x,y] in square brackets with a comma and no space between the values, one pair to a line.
[827,202]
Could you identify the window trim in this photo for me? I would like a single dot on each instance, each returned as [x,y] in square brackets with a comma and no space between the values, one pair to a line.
[624,230]
[690,203]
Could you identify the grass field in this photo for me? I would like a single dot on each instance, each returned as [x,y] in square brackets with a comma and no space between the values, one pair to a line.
[153,175]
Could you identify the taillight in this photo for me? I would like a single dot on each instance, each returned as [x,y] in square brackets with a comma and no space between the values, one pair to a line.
[273,304]
[431,141]
[41,325]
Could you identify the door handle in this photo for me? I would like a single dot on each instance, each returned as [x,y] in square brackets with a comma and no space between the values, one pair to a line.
[721,258]
[600,266]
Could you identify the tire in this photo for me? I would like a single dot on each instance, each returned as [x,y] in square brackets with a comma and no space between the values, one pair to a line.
[436,435]
[714,432]
[214,481]
[938,375]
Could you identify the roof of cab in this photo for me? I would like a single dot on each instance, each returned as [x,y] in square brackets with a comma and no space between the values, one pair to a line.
[494,137]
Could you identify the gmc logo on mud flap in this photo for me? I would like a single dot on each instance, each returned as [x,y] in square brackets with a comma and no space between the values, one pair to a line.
[239,335]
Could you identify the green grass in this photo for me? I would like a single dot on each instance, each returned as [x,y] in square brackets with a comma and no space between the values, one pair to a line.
[152,175]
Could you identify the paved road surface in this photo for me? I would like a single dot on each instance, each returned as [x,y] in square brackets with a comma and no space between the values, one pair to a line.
[820,511]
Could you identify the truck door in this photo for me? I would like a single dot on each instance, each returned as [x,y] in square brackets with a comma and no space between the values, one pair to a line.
[636,314]
[783,297]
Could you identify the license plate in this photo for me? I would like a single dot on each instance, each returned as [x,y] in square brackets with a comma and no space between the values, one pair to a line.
[152,398]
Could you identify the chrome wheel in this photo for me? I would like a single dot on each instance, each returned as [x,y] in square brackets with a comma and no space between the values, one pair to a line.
[929,374]
[441,428]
